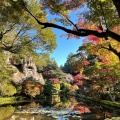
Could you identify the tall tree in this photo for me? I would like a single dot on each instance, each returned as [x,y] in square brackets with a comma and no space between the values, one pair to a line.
[19,31]
[69,64]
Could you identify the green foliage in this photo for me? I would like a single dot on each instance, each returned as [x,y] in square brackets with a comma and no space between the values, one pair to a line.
[65,87]
[6,112]
[5,70]
[68,66]
[23,35]
[53,69]
[14,8]
[11,100]
[18,88]
[57,88]
[7,100]
[48,88]
[7,90]
[104,9]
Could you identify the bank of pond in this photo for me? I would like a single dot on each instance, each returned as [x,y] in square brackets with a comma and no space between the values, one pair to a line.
[57,108]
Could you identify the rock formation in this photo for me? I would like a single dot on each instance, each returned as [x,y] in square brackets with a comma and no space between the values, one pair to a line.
[24,70]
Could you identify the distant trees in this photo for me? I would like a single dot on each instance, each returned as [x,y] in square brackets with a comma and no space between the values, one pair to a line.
[69,64]
[52,71]
[99,71]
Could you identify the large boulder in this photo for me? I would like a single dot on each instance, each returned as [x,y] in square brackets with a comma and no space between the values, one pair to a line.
[28,71]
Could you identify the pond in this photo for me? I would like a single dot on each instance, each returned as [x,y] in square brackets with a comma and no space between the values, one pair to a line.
[58,108]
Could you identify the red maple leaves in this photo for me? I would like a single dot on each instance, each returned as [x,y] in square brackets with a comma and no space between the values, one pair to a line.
[78,79]
[86,63]
[81,108]
[54,80]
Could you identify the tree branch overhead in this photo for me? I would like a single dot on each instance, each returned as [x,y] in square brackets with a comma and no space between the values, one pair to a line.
[80,32]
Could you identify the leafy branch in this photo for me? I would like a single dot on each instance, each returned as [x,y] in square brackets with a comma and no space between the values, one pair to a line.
[80,32]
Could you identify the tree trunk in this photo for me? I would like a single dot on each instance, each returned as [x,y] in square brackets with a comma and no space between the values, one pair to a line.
[117,5]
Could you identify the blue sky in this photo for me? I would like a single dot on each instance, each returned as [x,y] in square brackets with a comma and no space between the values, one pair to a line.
[64,47]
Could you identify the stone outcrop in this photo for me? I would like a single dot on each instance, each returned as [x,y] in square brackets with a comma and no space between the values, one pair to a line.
[24,70]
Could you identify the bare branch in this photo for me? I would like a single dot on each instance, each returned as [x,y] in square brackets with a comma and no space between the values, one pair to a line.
[16,36]
[9,29]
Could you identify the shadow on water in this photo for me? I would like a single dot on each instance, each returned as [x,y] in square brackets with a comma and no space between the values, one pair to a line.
[58,108]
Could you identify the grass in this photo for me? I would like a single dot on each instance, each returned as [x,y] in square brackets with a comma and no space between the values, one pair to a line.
[11,100]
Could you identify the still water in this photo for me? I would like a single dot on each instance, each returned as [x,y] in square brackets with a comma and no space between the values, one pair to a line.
[58,108]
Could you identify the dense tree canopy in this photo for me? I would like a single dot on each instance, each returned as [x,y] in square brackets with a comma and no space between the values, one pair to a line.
[103,22]
[20,33]
[69,64]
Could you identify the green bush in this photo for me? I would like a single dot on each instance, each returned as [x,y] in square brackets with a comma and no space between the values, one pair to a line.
[8,90]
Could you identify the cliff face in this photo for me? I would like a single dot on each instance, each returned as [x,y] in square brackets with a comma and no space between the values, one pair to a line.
[27,69]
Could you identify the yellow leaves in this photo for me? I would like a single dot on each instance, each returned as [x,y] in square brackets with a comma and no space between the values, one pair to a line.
[51,6]
[102,0]
[57,86]
[96,87]
[64,12]
[98,65]
[67,85]
[42,19]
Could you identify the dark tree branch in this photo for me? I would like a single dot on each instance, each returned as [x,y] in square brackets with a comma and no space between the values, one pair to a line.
[17,35]
[80,32]
[66,18]
[3,33]
[110,48]
[114,51]
[9,29]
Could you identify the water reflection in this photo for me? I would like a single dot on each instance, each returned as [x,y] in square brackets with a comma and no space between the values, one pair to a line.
[28,117]
[6,112]
[57,108]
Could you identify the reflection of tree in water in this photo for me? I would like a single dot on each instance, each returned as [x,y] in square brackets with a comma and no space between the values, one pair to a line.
[62,104]
[31,105]
[79,106]
[6,112]
[100,113]
[72,104]
[97,111]
[29,117]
